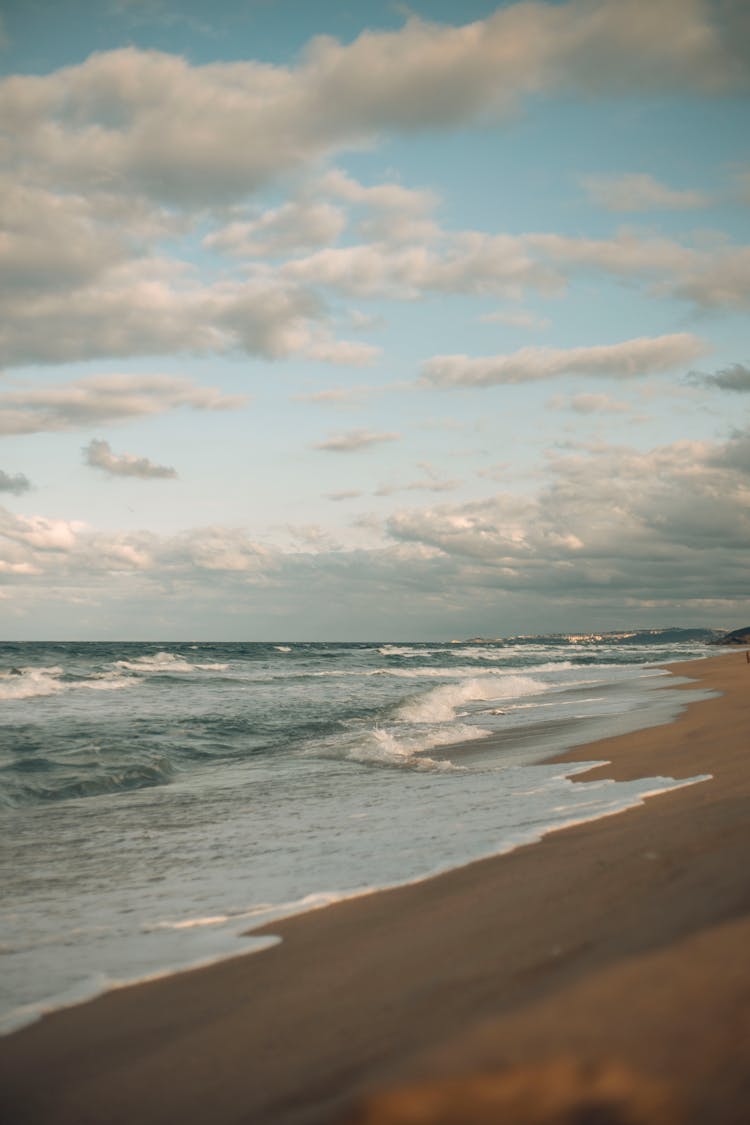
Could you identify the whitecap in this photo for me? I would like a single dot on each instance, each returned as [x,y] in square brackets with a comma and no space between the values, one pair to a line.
[441,704]
[166,662]
[30,683]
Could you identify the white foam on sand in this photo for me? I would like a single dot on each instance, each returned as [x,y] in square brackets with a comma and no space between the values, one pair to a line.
[206,939]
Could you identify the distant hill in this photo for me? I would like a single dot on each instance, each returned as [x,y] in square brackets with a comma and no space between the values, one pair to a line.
[736,637]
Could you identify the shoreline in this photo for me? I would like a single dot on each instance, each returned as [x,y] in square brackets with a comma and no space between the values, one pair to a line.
[539,744]
[356,992]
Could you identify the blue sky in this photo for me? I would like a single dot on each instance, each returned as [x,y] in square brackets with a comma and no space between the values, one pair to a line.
[371,320]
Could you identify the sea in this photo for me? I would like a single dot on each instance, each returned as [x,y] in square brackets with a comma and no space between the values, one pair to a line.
[160,800]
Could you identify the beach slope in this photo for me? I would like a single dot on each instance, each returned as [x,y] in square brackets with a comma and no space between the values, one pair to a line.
[609,961]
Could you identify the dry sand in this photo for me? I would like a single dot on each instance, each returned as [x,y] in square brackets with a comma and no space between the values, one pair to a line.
[599,977]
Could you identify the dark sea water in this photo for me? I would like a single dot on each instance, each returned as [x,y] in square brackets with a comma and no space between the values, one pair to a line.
[158,800]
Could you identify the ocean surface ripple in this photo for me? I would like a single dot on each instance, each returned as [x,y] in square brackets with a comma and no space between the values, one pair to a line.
[156,800]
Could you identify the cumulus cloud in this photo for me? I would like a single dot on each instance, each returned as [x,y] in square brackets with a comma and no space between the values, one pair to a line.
[52,240]
[733,378]
[464,262]
[104,398]
[393,213]
[708,276]
[352,440]
[629,359]
[718,280]
[639,191]
[614,527]
[672,523]
[288,229]
[502,265]
[98,454]
[72,290]
[16,484]
[146,307]
[151,123]
[70,554]
[40,533]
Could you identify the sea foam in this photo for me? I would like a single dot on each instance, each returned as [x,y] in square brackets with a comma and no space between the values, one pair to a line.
[27,683]
[441,704]
[166,662]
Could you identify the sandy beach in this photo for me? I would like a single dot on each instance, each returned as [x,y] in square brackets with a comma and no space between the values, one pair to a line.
[601,971]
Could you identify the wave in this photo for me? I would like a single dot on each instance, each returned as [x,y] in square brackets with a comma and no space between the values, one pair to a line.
[166,662]
[408,651]
[441,704]
[402,748]
[143,775]
[28,683]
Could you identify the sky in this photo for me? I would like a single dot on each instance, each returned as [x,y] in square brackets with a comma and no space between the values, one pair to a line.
[346,321]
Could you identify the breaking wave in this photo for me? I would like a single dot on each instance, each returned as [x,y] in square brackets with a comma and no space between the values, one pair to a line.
[441,704]
[26,683]
[166,662]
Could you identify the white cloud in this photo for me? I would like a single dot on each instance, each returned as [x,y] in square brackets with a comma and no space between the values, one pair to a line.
[394,213]
[72,290]
[709,275]
[43,534]
[353,440]
[219,549]
[145,122]
[720,280]
[51,240]
[629,359]
[639,191]
[104,398]
[288,229]
[146,307]
[98,454]
[465,262]
[672,522]
[610,528]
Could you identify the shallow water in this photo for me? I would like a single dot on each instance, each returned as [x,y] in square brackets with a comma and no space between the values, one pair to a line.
[156,801]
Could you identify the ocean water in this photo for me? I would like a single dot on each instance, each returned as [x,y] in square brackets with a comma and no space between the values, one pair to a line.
[157,801]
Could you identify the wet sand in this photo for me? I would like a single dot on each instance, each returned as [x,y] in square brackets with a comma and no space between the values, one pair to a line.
[606,966]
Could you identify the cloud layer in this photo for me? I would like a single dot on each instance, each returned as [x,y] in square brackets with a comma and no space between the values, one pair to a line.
[148,123]
[611,527]
[629,359]
[104,398]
